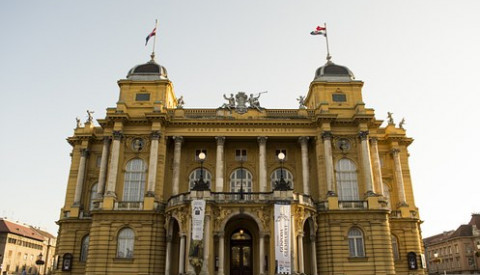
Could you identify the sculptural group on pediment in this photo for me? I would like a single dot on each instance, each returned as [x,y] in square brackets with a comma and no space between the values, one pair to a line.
[240,100]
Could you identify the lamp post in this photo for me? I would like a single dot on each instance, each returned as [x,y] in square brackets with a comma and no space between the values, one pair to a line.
[200,184]
[281,185]
[40,262]
[241,178]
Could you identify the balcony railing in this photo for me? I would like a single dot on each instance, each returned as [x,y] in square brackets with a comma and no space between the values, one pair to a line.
[128,205]
[352,205]
[241,197]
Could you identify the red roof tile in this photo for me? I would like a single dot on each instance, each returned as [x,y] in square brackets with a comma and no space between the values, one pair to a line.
[17,229]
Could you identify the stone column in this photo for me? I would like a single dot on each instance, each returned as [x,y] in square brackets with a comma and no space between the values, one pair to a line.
[261,253]
[103,167]
[113,168]
[219,164]
[301,267]
[80,176]
[168,257]
[221,253]
[313,254]
[377,167]
[177,153]
[399,176]
[305,171]
[206,246]
[262,163]
[327,146]
[293,246]
[366,163]
[181,260]
[153,163]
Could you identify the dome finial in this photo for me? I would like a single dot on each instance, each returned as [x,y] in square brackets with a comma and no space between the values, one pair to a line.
[152,56]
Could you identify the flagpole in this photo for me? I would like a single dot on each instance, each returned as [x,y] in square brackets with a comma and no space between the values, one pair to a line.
[154,39]
[326,39]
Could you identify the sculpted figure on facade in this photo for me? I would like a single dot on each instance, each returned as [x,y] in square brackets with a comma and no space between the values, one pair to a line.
[90,116]
[79,124]
[254,102]
[231,102]
[180,102]
[390,118]
[301,102]
[402,122]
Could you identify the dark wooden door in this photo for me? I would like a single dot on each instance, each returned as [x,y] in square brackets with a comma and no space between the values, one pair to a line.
[241,258]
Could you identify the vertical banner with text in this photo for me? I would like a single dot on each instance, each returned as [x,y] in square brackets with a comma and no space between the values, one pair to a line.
[282,238]
[198,216]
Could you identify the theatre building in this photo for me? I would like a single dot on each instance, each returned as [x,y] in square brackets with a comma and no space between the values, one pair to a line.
[156,187]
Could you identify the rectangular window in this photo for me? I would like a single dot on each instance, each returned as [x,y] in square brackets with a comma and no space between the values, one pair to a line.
[241,155]
[339,97]
[142,97]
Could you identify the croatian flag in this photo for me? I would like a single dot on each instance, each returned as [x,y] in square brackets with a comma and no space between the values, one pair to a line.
[153,33]
[319,31]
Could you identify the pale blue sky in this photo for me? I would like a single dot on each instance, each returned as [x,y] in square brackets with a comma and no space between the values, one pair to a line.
[418,59]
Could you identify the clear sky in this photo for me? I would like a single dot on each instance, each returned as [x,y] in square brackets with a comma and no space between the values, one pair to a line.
[418,59]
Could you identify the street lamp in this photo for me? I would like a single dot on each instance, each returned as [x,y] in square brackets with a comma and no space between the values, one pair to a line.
[281,185]
[241,178]
[39,261]
[200,184]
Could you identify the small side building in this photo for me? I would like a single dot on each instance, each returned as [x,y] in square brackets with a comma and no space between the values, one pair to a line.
[456,251]
[21,248]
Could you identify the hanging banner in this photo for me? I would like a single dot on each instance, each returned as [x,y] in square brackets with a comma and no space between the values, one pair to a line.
[282,238]
[198,216]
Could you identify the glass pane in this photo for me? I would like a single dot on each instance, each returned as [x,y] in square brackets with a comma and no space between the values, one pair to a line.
[235,257]
[246,256]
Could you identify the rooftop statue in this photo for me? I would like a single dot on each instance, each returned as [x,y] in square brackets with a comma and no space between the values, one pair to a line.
[240,100]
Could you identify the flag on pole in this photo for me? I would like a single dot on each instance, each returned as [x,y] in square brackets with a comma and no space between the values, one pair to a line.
[319,31]
[153,33]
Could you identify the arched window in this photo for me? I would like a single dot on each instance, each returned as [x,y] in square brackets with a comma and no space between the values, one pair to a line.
[355,243]
[126,238]
[84,248]
[287,176]
[386,194]
[241,177]
[134,184]
[195,175]
[347,184]
[396,254]
[93,195]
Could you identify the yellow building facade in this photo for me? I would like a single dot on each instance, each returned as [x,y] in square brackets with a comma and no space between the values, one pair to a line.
[141,179]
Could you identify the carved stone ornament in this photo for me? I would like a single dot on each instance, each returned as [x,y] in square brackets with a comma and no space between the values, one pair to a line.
[343,144]
[138,144]
[240,100]
[363,135]
[327,135]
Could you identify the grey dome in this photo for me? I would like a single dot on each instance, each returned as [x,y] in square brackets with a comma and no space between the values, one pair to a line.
[148,71]
[333,72]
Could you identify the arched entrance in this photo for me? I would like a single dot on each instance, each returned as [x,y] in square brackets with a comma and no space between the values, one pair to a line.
[241,246]
[241,261]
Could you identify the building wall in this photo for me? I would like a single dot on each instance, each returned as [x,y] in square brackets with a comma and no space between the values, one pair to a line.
[161,219]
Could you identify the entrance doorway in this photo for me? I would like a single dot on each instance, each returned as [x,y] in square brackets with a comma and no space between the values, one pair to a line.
[241,262]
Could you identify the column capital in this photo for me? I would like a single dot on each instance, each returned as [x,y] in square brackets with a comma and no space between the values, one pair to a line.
[363,135]
[117,135]
[84,152]
[106,140]
[395,151]
[169,238]
[155,135]
[220,234]
[373,140]
[327,135]
[220,140]
[178,139]
[303,140]
[262,140]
